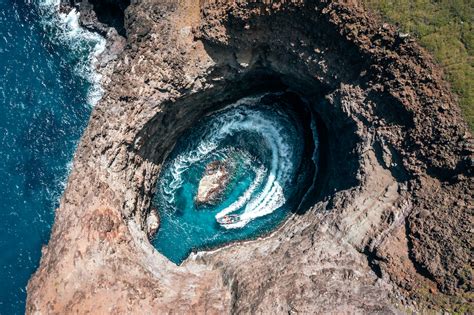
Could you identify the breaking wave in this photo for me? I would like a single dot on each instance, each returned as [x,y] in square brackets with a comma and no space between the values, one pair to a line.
[85,46]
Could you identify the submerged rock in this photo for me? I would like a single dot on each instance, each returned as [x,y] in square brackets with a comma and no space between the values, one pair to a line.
[213,183]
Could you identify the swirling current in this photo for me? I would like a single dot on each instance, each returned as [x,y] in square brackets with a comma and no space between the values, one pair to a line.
[266,150]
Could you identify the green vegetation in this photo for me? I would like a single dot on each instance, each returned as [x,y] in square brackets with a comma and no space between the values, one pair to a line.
[431,300]
[445,28]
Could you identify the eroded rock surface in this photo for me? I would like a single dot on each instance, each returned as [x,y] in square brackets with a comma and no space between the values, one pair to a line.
[152,223]
[387,232]
[213,183]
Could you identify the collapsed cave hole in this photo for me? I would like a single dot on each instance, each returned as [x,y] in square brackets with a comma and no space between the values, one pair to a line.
[111,13]
[199,116]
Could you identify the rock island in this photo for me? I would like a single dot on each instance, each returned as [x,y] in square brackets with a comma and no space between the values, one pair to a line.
[213,183]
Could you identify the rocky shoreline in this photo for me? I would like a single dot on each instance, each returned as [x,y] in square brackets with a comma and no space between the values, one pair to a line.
[390,228]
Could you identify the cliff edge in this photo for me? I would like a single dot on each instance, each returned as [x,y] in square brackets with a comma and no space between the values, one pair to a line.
[390,227]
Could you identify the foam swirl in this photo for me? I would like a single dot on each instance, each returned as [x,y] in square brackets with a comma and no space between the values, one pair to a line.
[263,143]
[270,130]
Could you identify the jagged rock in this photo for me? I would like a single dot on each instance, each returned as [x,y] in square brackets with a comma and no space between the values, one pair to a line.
[152,223]
[213,183]
[395,189]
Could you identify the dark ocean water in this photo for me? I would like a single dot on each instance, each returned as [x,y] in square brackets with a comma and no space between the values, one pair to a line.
[45,96]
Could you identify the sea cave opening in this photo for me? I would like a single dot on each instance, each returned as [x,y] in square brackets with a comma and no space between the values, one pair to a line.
[229,142]
[237,173]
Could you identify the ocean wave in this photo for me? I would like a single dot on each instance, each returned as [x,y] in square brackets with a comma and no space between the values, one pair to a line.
[84,46]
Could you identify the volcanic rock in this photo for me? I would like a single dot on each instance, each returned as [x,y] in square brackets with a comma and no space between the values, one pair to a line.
[387,231]
[212,184]
[152,223]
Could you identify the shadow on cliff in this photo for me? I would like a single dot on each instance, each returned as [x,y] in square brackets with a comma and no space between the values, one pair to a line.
[337,163]
[250,64]
[261,50]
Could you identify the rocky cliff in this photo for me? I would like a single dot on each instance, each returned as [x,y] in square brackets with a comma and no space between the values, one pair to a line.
[390,227]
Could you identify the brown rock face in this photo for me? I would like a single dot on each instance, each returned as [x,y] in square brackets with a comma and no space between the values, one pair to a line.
[389,226]
[213,183]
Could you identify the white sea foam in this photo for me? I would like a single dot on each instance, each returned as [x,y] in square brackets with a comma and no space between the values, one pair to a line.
[259,177]
[271,197]
[265,194]
[86,45]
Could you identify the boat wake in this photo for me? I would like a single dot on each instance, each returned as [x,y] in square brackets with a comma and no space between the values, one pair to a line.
[260,141]
[267,150]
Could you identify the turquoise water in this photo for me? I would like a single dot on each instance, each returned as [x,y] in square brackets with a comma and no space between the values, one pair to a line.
[266,143]
[45,94]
